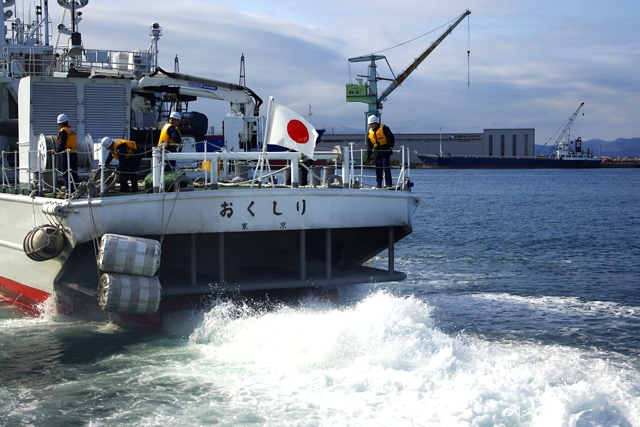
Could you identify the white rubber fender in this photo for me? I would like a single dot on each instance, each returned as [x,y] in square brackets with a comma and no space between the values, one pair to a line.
[126,293]
[129,255]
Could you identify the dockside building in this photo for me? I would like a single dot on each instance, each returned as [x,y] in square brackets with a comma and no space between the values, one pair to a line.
[518,142]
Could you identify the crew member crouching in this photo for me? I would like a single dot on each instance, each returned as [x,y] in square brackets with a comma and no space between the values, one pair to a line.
[129,159]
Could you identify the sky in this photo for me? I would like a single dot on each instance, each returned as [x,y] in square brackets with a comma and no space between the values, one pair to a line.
[530,64]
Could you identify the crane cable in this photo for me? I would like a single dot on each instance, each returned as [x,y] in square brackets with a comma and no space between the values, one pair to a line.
[468,52]
[416,38]
[435,29]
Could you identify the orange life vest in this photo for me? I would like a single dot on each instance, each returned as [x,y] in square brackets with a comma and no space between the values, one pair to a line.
[132,147]
[378,138]
[165,139]
[72,138]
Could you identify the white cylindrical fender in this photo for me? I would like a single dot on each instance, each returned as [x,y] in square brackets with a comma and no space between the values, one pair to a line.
[129,255]
[124,293]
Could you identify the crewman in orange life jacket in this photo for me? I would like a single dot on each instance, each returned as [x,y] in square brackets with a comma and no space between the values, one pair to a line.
[129,159]
[380,141]
[67,139]
[170,138]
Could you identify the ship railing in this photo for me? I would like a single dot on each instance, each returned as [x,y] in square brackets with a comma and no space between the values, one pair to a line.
[7,170]
[27,63]
[43,177]
[366,173]
[342,159]
[35,63]
[218,162]
[340,166]
[111,63]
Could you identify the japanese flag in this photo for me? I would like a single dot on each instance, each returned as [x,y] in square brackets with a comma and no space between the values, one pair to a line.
[288,129]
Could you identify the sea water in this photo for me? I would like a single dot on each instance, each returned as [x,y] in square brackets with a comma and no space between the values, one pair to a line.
[521,307]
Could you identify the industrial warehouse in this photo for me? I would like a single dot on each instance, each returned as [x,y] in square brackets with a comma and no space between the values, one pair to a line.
[490,143]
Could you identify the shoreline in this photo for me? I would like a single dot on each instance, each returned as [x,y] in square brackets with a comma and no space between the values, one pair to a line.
[631,163]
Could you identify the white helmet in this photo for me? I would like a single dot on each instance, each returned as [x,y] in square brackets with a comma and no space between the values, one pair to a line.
[175,115]
[62,118]
[373,119]
[106,142]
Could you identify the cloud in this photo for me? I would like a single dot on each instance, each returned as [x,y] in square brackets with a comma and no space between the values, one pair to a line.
[530,64]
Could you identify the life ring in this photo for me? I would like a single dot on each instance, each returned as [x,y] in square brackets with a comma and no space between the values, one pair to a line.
[334,181]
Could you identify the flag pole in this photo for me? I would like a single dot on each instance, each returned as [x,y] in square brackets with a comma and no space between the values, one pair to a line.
[263,154]
[267,127]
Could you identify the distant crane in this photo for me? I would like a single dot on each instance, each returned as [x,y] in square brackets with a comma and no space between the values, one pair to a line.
[368,93]
[564,139]
[566,131]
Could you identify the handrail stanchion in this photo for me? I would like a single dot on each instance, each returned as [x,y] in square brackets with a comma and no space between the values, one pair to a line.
[350,165]
[55,174]
[215,171]
[101,160]
[346,175]
[157,169]
[408,174]
[69,175]
[40,173]
[15,169]
[206,162]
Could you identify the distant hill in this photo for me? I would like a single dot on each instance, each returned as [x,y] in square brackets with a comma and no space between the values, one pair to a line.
[620,148]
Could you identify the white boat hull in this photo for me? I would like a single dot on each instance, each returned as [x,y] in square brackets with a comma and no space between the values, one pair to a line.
[208,238]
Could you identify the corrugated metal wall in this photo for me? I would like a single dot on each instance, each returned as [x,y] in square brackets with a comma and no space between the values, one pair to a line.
[106,110]
[98,108]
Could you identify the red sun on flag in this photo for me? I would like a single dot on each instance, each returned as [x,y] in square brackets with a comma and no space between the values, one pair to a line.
[298,131]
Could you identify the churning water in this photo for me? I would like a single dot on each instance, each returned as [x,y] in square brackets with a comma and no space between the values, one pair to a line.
[521,308]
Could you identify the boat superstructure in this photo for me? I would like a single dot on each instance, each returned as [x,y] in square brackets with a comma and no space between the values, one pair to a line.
[226,220]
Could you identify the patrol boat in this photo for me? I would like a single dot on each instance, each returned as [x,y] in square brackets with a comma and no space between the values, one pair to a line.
[223,223]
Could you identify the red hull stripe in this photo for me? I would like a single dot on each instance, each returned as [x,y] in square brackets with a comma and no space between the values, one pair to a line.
[21,294]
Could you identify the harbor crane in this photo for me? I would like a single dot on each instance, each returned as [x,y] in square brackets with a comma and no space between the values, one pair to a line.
[565,132]
[564,139]
[368,93]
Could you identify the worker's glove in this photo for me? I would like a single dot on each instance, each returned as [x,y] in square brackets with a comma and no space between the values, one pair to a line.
[366,157]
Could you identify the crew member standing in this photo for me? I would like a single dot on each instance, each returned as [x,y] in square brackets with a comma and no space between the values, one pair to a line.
[129,159]
[170,138]
[380,143]
[67,139]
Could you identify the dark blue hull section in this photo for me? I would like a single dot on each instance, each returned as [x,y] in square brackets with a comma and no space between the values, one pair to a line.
[481,162]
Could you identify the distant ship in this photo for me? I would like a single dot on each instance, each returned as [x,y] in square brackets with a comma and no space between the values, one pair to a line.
[568,155]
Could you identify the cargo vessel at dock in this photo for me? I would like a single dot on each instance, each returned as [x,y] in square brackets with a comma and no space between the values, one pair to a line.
[567,154]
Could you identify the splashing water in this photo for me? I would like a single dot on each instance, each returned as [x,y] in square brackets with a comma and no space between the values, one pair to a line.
[380,362]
